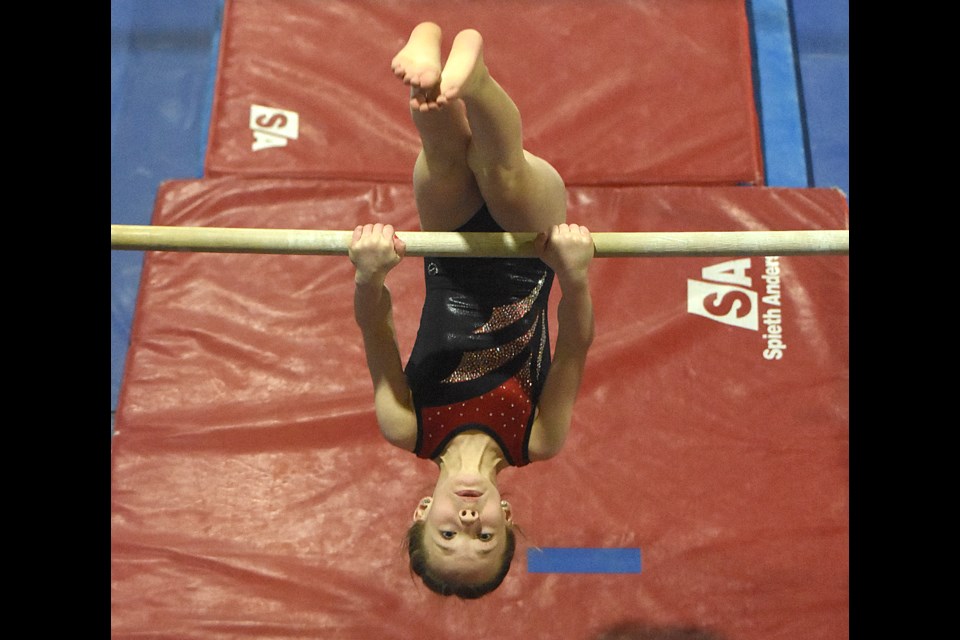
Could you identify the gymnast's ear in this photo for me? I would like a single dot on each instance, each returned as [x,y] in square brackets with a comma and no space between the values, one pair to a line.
[507,512]
[420,513]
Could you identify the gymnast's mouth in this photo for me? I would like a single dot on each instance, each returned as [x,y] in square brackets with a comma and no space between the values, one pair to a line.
[468,494]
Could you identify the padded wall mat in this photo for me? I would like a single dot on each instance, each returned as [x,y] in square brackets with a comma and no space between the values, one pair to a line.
[304,89]
[253,497]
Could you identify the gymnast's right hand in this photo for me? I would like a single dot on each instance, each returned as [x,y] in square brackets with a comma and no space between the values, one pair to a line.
[375,249]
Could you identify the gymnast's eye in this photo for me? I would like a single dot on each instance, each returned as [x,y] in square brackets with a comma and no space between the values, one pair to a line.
[448,535]
[486,537]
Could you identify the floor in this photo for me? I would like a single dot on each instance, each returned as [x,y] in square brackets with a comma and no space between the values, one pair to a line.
[163,64]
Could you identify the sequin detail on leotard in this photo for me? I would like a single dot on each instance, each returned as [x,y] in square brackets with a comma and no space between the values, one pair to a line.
[506,315]
[502,413]
[476,364]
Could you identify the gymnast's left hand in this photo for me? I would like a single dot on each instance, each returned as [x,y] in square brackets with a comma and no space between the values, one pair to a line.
[568,249]
[374,250]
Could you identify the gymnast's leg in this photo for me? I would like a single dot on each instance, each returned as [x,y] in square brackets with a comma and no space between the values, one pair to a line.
[444,187]
[472,140]
[523,191]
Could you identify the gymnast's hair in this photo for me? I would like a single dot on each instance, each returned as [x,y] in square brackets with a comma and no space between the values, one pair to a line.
[437,584]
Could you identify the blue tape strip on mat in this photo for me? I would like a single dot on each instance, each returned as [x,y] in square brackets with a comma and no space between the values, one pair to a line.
[583,560]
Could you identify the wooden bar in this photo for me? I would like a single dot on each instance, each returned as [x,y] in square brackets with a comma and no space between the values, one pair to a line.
[497,245]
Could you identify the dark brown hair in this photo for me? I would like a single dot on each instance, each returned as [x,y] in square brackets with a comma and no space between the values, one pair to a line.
[444,587]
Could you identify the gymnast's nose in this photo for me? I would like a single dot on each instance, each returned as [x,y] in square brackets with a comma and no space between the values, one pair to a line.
[468,516]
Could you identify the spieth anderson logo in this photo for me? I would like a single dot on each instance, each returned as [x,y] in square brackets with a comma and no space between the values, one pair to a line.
[273,127]
[726,294]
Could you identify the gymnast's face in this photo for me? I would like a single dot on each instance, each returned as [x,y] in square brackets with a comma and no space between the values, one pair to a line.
[465,526]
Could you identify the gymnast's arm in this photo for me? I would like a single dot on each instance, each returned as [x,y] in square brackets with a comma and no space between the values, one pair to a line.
[568,249]
[374,250]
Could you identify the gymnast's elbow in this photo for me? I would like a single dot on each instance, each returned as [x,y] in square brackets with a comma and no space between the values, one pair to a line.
[546,439]
[396,417]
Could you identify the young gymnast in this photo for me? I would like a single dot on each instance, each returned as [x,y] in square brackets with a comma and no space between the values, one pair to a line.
[480,391]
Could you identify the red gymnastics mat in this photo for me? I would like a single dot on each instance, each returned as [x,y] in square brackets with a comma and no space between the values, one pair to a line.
[611,91]
[253,497]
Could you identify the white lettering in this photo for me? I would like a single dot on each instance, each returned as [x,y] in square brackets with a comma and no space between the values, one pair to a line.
[263,140]
[272,127]
[726,295]
[731,272]
[773,324]
[772,277]
[735,306]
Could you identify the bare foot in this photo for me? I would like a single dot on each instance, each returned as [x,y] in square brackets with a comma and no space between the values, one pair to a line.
[418,66]
[465,68]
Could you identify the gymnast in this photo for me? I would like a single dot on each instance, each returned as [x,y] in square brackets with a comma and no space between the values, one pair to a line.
[480,391]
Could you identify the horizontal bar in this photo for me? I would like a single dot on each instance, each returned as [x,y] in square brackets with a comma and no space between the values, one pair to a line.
[478,244]
[583,560]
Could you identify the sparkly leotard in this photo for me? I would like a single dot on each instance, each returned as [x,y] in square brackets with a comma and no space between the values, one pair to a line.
[483,348]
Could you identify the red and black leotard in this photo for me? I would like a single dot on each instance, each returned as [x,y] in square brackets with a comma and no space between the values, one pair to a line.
[482,350]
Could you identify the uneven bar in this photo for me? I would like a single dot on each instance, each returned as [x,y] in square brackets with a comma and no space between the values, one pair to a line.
[493,245]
